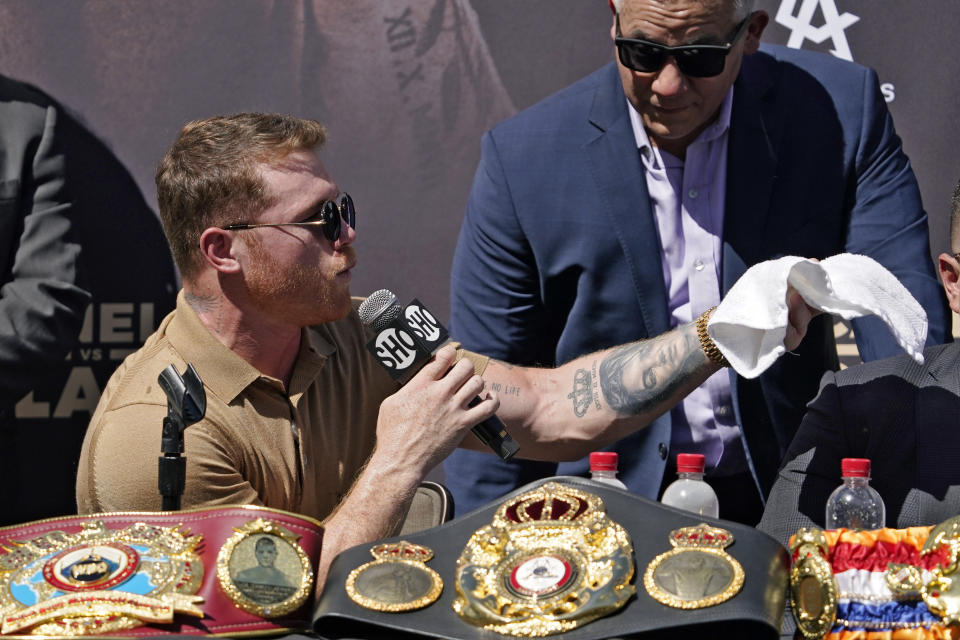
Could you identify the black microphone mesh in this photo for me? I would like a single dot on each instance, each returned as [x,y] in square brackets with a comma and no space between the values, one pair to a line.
[379,309]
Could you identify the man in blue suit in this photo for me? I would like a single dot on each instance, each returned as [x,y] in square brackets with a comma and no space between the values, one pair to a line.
[631,201]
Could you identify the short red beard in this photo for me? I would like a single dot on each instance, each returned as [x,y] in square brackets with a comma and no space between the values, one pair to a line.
[297,293]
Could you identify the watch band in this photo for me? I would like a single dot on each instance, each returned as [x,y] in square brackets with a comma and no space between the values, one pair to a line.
[706,342]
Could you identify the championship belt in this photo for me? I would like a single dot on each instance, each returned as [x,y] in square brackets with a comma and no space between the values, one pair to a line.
[871,584]
[240,570]
[551,561]
[565,557]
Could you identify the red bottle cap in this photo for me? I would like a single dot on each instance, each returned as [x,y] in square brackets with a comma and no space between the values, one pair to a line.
[603,461]
[690,463]
[855,467]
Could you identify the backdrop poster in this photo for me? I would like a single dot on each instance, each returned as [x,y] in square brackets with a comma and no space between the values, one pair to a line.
[406,88]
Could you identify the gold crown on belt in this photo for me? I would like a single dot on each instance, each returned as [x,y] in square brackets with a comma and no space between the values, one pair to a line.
[700,536]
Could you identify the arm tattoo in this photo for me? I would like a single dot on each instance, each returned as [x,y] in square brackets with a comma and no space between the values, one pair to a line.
[659,366]
[585,391]
[582,394]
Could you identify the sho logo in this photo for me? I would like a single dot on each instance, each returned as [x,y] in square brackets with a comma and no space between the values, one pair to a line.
[395,349]
[801,25]
[422,323]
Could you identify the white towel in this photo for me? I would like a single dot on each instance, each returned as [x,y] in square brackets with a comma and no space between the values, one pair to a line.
[750,323]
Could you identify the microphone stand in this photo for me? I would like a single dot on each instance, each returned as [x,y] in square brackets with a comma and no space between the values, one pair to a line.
[186,404]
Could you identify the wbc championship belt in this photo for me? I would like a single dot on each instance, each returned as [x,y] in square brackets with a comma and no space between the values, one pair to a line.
[242,570]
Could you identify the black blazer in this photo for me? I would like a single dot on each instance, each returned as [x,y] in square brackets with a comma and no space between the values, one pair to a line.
[901,415]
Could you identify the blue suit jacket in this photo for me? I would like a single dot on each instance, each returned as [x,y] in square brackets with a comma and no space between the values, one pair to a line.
[558,253]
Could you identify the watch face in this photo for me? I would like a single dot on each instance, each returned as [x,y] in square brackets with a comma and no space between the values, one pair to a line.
[540,575]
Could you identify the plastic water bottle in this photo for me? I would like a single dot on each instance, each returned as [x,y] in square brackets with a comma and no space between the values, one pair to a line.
[689,491]
[855,504]
[603,468]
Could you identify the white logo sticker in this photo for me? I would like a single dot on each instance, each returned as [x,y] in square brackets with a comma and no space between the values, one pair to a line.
[395,349]
[422,323]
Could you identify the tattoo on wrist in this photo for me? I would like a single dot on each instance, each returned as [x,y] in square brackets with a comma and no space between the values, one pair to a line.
[505,389]
[636,377]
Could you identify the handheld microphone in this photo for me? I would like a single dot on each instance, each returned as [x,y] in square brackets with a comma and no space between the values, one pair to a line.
[405,338]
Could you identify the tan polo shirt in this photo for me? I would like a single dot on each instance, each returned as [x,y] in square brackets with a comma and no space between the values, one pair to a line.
[299,451]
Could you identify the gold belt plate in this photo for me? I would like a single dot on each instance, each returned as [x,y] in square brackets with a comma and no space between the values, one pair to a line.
[550,561]
[697,572]
[99,580]
[397,580]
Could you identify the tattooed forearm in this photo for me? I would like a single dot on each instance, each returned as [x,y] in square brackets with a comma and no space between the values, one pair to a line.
[639,375]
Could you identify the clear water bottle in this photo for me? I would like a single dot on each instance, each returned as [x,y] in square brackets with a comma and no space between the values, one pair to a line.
[689,491]
[855,504]
[603,468]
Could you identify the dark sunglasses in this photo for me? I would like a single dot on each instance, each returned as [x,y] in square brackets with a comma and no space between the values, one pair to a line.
[694,60]
[328,217]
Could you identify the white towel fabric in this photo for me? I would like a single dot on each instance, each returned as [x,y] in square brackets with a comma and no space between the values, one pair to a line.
[750,323]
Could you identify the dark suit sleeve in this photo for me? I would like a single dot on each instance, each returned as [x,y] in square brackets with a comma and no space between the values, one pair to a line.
[494,310]
[888,223]
[41,302]
[494,303]
[811,468]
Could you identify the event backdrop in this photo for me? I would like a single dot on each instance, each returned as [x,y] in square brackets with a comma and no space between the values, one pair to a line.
[406,87]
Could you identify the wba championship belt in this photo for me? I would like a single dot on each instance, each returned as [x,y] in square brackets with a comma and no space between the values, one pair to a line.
[900,583]
[550,561]
[240,570]
[562,557]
